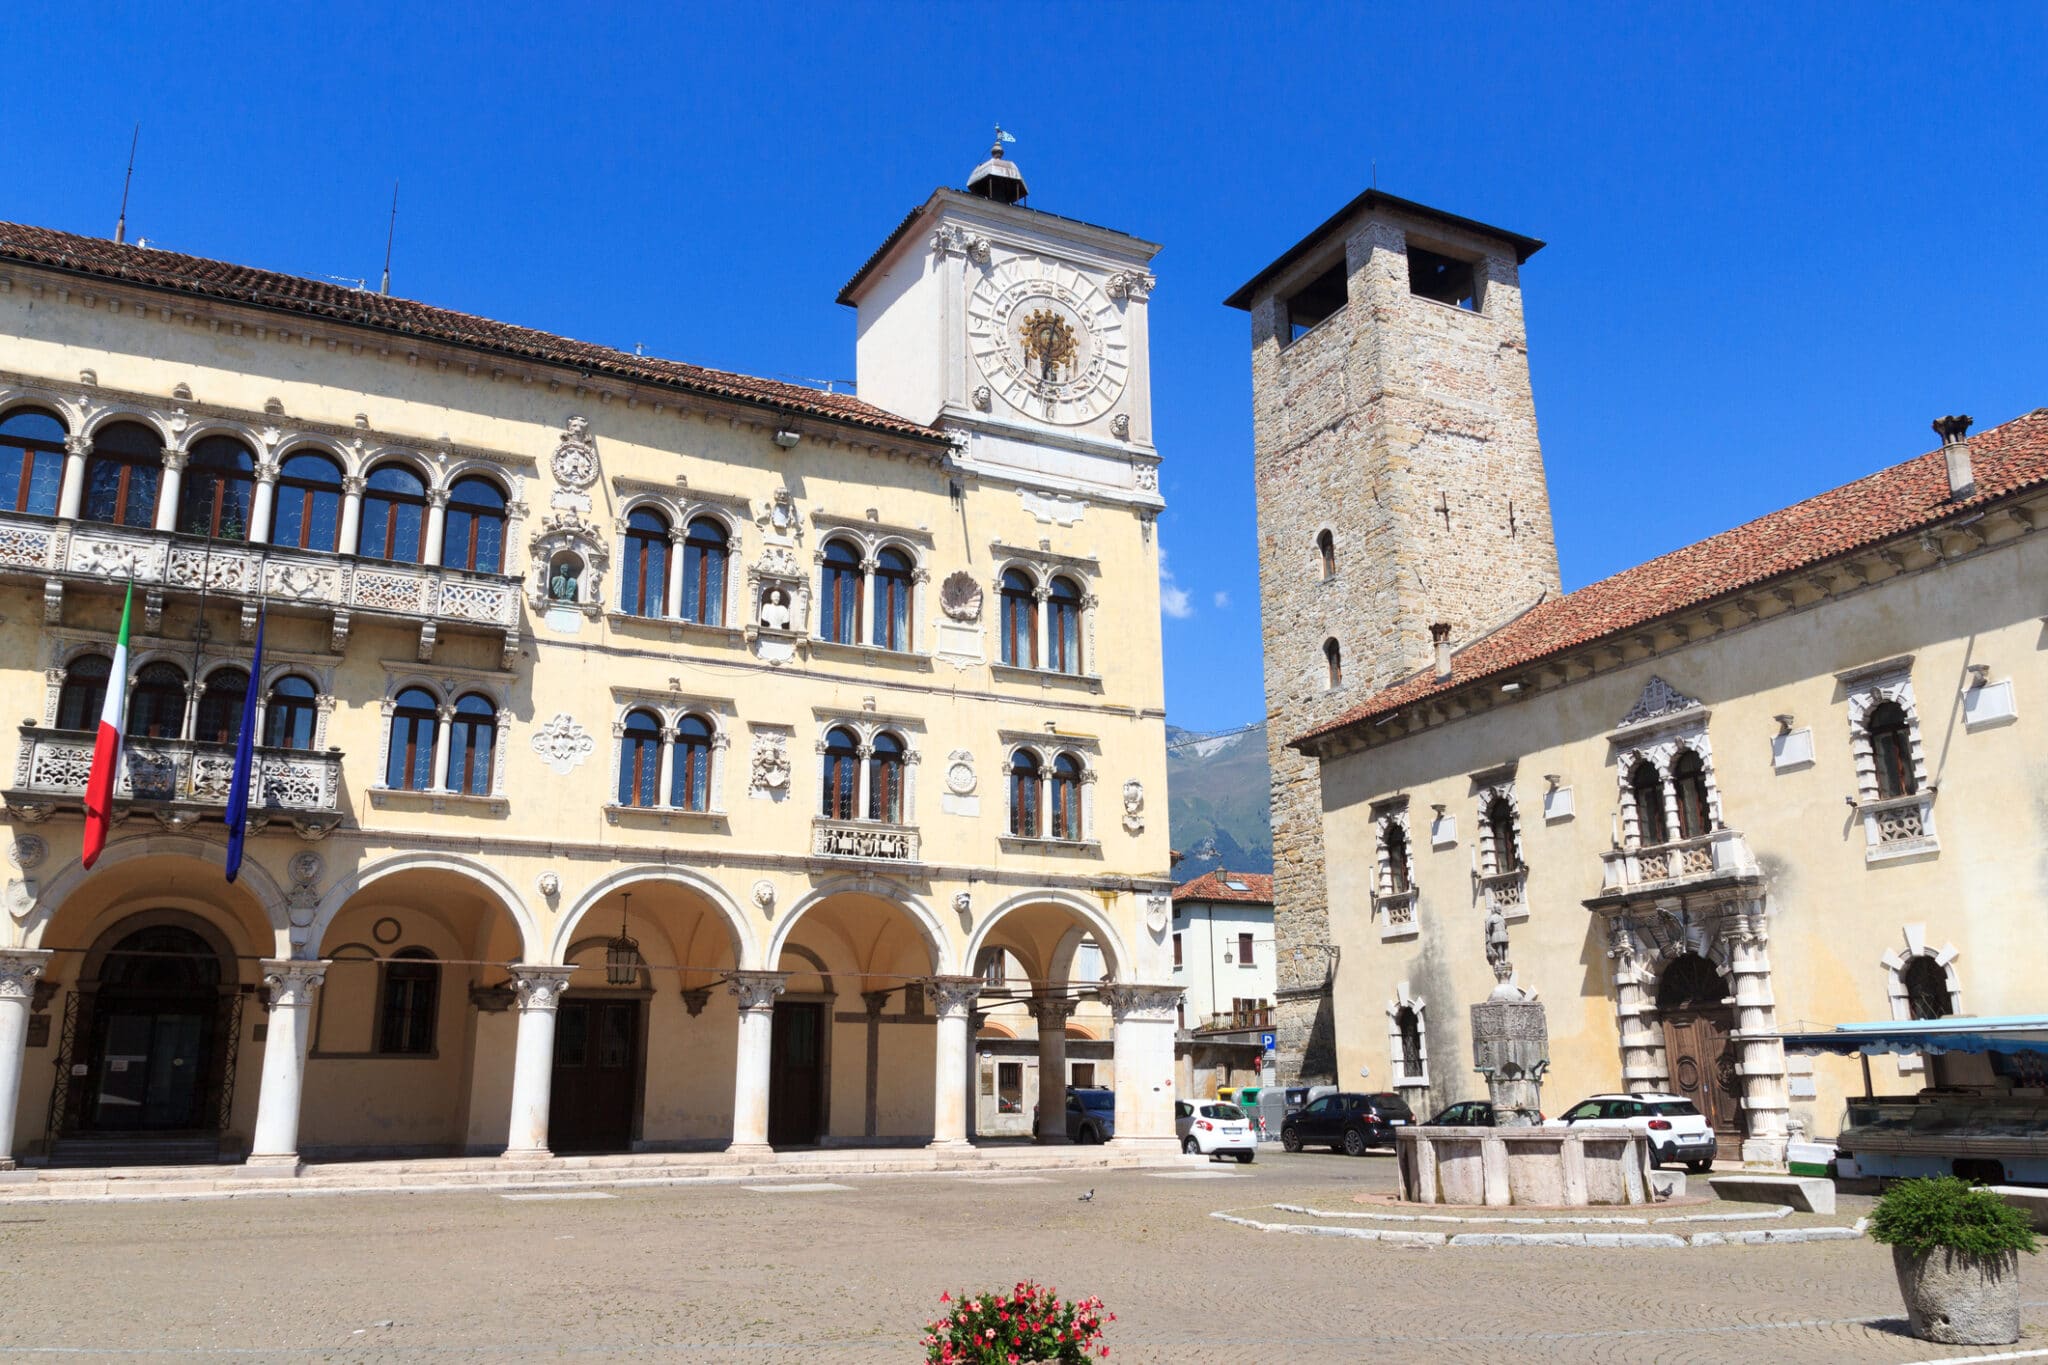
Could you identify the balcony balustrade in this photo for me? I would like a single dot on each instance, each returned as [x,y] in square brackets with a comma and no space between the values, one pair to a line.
[62,553]
[1237,1021]
[1507,892]
[179,781]
[1723,853]
[1899,827]
[864,841]
[1397,914]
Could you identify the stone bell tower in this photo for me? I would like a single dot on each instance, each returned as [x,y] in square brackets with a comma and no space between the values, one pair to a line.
[1400,485]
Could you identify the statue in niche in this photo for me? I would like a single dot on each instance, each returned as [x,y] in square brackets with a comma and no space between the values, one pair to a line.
[775,613]
[565,580]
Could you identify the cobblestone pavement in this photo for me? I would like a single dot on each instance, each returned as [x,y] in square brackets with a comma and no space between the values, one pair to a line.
[767,1274]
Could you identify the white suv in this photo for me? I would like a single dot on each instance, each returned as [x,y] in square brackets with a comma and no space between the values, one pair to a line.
[1214,1128]
[1677,1131]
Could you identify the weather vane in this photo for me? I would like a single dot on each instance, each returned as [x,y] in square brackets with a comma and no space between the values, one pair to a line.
[1001,138]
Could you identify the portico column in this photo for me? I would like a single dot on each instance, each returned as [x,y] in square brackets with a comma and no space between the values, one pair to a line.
[1052,1015]
[1144,1015]
[19,969]
[756,992]
[1641,1047]
[539,989]
[266,498]
[71,493]
[351,514]
[676,536]
[437,524]
[952,1000]
[876,1001]
[292,982]
[1756,1028]
[167,490]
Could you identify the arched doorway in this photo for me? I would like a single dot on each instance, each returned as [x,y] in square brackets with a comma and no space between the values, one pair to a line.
[153,1045]
[1700,1054]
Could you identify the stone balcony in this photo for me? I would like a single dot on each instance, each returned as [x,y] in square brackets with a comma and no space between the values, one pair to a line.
[1396,914]
[864,841]
[63,555]
[1900,827]
[1507,892]
[179,781]
[1721,856]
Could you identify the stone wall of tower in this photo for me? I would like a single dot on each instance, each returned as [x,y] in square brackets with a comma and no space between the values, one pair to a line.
[1406,428]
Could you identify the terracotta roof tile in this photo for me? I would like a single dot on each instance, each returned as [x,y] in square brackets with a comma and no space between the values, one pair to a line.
[199,277]
[1211,886]
[1892,502]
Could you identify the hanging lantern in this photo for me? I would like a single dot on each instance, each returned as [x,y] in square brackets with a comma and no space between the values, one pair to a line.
[622,954]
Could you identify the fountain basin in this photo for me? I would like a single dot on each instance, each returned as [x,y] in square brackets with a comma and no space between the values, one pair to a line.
[1503,1167]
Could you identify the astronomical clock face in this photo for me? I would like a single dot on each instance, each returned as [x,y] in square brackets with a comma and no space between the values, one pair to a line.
[1048,341]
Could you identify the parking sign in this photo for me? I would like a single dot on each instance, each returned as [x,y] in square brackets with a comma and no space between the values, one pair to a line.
[1266,1041]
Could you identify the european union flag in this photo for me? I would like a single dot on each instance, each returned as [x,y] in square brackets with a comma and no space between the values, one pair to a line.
[245,755]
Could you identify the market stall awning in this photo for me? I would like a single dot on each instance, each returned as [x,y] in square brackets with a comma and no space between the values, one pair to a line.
[2011,1033]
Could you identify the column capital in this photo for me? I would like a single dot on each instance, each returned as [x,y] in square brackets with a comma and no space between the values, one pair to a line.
[78,445]
[174,458]
[1139,1000]
[1053,1012]
[757,990]
[539,986]
[952,997]
[876,1001]
[292,980]
[19,970]
[352,485]
[437,497]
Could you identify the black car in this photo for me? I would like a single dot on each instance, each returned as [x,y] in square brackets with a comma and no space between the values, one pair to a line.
[1346,1122]
[1464,1114]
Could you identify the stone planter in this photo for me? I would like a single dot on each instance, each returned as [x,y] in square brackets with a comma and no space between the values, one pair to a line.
[1960,1299]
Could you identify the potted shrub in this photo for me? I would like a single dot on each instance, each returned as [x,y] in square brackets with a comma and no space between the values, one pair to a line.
[1956,1248]
[1027,1322]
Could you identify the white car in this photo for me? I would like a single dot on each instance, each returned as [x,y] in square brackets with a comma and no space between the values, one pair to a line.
[1677,1131]
[1214,1128]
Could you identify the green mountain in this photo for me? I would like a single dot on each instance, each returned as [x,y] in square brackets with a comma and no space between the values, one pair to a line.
[1218,789]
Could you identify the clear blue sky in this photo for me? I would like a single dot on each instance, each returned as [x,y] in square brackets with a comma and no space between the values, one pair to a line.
[1783,238]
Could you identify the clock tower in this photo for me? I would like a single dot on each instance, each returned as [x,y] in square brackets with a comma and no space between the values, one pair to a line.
[1023,331]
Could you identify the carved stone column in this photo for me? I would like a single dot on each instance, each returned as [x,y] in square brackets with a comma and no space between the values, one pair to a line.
[952,1001]
[1145,1016]
[71,493]
[292,982]
[443,733]
[437,525]
[663,794]
[1040,628]
[351,514]
[1052,1016]
[1642,1050]
[676,536]
[539,989]
[1756,1034]
[19,970]
[756,992]
[168,490]
[876,1001]
[864,781]
[266,498]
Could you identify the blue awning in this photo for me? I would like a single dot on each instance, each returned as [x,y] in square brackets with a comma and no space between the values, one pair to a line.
[2010,1034]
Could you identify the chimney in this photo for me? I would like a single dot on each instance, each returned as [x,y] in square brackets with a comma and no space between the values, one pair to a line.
[1955,448]
[1440,636]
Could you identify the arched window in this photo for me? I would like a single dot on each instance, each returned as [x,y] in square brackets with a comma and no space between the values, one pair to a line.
[1019,619]
[893,576]
[156,706]
[1891,745]
[1063,627]
[415,722]
[643,580]
[412,995]
[291,715]
[704,572]
[640,761]
[220,483]
[1500,822]
[84,694]
[1063,803]
[308,514]
[1646,789]
[1410,1030]
[690,789]
[473,536]
[472,737]
[1024,772]
[842,774]
[1326,552]
[839,615]
[122,475]
[1333,663]
[220,706]
[394,515]
[1689,777]
[885,780]
[1926,984]
[31,461]
[1394,844]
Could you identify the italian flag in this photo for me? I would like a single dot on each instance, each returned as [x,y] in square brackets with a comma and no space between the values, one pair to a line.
[106,748]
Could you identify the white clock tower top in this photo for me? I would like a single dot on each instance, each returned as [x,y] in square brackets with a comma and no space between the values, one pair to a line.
[1024,331]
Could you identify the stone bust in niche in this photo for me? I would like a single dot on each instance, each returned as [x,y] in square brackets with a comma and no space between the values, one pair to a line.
[565,581]
[775,610]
